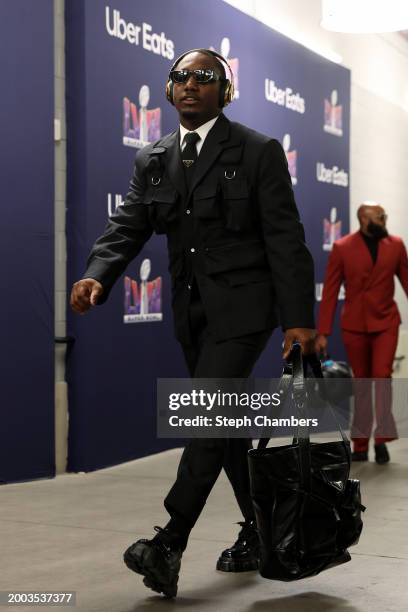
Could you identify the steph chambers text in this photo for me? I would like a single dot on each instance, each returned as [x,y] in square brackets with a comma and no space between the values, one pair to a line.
[240,422]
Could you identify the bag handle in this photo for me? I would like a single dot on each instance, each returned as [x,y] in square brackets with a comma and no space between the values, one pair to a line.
[299,396]
[285,383]
[292,376]
[294,372]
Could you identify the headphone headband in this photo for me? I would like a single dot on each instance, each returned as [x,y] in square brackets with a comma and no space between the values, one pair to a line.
[207,52]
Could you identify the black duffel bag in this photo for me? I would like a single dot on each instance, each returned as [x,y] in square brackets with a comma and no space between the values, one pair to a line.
[308,511]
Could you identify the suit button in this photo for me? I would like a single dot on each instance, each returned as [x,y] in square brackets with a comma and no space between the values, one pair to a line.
[188,211]
[192,250]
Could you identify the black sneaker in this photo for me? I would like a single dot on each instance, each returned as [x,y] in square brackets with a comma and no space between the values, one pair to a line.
[243,556]
[359,456]
[158,560]
[381,453]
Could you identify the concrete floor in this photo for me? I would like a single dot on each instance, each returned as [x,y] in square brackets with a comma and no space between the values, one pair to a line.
[69,534]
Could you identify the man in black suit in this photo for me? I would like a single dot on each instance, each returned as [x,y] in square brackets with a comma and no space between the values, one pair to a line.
[222,194]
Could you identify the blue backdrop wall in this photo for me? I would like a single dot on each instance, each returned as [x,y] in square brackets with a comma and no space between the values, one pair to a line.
[26,245]
[118,59]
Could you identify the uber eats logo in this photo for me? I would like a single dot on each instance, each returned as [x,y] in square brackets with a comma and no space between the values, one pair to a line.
[284,97]
[138,34]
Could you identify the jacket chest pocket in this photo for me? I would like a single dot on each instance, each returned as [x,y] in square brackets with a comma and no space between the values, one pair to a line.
[207,202]
[237,204]
[228,200]
[162,203]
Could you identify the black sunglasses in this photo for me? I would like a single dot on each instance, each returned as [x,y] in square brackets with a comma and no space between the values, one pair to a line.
[201,76]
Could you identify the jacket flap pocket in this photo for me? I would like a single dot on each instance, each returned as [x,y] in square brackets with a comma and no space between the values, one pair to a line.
[161,195]
[205,191]
[235,189]
[206,205]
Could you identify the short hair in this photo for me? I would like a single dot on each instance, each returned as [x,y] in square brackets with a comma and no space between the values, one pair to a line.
[209,53]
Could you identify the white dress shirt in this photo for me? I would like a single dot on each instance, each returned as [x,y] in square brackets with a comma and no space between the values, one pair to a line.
[202,131]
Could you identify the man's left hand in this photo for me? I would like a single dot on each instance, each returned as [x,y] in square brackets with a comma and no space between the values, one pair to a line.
[304,335]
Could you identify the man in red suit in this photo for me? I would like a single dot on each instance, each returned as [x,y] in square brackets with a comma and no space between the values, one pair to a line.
[366,261]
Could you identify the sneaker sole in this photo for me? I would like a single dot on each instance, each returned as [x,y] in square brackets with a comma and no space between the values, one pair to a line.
[227,565]
[138,561]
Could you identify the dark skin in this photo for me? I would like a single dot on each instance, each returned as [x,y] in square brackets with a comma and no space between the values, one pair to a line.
[366,214]
[374,214]
[196,103]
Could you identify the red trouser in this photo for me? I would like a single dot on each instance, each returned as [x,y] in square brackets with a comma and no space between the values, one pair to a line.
[371,355]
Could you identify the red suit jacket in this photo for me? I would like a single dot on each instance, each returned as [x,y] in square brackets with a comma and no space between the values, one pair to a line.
[369,305]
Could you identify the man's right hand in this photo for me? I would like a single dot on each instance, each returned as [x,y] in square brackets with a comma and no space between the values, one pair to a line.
[85,293]
[321,345]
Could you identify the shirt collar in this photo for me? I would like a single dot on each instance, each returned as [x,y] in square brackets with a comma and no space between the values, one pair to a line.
[202,131]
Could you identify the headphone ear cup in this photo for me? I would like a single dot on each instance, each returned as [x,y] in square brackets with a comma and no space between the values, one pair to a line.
[169,91]
[228,92]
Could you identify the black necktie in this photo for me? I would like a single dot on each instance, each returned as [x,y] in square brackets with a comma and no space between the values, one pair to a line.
[189,155]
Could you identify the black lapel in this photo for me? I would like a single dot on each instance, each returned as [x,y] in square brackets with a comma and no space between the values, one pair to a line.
[218,138]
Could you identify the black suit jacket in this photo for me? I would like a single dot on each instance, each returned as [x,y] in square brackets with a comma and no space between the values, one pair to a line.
[236,230]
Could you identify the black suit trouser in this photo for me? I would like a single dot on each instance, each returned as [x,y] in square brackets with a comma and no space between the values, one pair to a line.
[203,458]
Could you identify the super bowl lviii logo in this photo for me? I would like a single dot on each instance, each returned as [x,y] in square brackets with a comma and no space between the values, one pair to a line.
[331,230]
[291,156]
[141,125]
[143,300]
[225,48]
[333,115]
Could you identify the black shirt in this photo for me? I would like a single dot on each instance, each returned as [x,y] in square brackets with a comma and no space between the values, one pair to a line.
[372,245]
